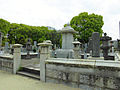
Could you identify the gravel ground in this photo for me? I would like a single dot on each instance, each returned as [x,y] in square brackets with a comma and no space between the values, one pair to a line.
[9,81]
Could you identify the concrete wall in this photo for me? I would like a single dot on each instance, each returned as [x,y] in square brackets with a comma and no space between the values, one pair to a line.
[84,74]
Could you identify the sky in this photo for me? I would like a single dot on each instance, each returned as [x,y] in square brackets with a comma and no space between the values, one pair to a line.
[56,13]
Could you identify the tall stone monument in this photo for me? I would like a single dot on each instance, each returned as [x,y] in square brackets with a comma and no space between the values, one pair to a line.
[67,37]
[6,47]
[95,44]
[89,45]
[28,47]
[67,46]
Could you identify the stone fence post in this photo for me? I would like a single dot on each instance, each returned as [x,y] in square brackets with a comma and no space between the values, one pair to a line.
[16,57]
[44,55]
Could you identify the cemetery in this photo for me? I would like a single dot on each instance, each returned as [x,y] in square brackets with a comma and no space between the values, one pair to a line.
[92,67]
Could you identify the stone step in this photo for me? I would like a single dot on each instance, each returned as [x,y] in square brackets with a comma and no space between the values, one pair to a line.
[30,70]
[31,75]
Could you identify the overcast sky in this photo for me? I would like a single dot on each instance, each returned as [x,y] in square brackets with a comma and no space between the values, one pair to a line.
[56,13]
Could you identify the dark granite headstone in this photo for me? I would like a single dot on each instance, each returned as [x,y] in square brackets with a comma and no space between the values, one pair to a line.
[95,44]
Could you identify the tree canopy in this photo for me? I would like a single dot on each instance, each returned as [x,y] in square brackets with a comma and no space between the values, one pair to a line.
[4,26]
[86,24]
[19,33]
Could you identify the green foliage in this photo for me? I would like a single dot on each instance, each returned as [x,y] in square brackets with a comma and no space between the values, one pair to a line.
[86,24]
[19,33]
[65,25]
[4,26]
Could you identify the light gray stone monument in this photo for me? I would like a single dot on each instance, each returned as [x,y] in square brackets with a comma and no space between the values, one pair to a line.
[67,37]
[6,47]
[35,43]
[67,46]
[89,45]
[95,44]
[85,49]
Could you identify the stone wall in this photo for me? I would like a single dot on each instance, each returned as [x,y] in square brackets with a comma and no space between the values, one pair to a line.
[6,64]
[84,74]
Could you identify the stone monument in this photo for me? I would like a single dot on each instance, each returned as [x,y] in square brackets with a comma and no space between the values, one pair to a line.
[76,49]
[67,46]
[89,45]
[28,47]
[6,47]
[105,46]
[95,44]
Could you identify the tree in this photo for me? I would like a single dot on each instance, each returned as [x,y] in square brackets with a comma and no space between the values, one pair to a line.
[86,24]
[4,26]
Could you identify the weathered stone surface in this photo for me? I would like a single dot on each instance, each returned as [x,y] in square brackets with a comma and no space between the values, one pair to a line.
[89,45]
[17,57]
[106,47]
[95,44]
[105,77]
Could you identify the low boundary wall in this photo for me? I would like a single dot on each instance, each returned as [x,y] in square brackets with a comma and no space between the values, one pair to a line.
[6,64]
[84,74]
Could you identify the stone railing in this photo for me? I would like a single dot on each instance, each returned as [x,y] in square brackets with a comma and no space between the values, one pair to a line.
[84,74]
[6,63]
[11,62]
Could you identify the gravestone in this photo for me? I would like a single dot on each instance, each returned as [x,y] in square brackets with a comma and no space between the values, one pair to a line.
[85,49]
[89,45]
[28,48]
[118,44]
[105,46]
[113,50]
[34,48]
[6,47]
[35,43]
[95,44]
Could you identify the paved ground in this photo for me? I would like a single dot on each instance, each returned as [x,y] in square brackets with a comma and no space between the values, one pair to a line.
[16,82]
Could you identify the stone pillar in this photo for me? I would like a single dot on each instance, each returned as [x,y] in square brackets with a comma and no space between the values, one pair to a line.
[76,49]
[95,44]
[16,57]
[44,55]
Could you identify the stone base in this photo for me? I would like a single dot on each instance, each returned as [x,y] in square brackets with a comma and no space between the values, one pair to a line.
[64,53]
[96,58]
[109,58]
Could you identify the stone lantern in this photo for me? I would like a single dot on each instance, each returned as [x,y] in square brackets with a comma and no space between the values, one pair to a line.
[76,48]
[105,46]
